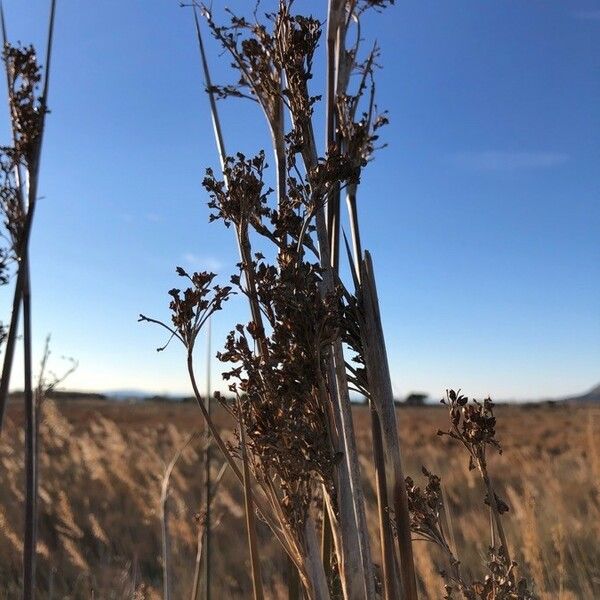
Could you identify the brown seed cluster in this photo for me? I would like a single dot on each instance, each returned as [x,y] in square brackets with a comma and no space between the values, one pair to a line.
[26,106]
[425,506]
[241,197]
[191,308]
[282,388]
[473,424]
[499,584]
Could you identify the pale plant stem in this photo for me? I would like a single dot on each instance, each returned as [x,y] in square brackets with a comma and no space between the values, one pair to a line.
[382,394]
[203,524]
[31,497]
[383,504]
[385,529]
[30,538]
[494,507]
[334,25]
[319,588]
[257,585]
[207,465]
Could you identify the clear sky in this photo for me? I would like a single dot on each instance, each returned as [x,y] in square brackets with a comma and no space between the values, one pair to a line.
[482,214]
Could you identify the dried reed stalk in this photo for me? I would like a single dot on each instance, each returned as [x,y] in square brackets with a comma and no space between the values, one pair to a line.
[257,586]
[295,439]
[28,112]
[202,535]
[380,387]
[207,465]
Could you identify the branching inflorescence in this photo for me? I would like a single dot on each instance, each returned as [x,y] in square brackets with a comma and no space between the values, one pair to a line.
[286,367]
[473,425]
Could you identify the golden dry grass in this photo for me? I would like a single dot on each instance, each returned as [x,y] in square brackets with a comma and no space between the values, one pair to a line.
[100,474]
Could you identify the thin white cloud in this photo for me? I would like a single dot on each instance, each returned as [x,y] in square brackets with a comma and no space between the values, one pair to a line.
[203,263]
[508,161]
[587,15]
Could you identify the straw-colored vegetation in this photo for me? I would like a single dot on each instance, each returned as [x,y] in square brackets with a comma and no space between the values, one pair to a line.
[101,468]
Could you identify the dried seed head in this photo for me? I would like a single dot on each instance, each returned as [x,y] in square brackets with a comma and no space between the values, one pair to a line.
[191,308]
[26,106]
[473,423]
[241,197]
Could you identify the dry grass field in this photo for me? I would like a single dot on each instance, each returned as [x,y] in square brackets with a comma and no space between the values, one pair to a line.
[102,463]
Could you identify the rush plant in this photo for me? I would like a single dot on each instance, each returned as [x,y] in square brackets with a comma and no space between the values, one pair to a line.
[311,338]
[286,367]
[19,178]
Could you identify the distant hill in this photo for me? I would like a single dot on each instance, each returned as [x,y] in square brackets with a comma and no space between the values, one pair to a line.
[66,395]
[592,396]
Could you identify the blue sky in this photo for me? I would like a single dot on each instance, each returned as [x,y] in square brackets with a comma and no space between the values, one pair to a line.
[482,214]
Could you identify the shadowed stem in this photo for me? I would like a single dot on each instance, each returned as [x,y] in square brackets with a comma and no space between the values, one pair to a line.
[385,528]
[31,468]
[257,586]
[494,506]
[201,535]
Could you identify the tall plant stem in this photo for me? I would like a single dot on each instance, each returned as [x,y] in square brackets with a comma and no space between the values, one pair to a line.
[200,537]
[381,391]
[257,586]
[242,229]
[391,583]
[207,465]
[209,92]
[326,540]
[9,350]
[33,175]
[494,507]
[334,26]
[385,529]
[164,509]
[356,562]
[30,538]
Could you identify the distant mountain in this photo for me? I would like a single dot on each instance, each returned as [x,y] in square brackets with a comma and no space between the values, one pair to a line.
[126,394]
[592,396]
[136,395]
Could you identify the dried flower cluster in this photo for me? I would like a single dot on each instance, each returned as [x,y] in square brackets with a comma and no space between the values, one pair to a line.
[26,106]
[499,584]
[191,308]
[473,425]
[425,506]
[26,111]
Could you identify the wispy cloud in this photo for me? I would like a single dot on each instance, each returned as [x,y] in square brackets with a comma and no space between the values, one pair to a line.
[507,161]
[200,262]
[587,15]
